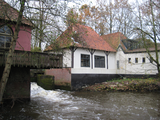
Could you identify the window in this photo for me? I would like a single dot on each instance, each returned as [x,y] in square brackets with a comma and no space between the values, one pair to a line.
[5,36]
[129,60]
[136,60]
[99,61]
[85,60]
[117,64]
[143,60]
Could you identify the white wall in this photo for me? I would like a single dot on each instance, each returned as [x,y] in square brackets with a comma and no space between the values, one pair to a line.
[135,68]
[124,66]
[88,70]
[67,58]
[120,56]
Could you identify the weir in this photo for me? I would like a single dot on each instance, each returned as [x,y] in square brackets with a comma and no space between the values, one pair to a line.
[18,85]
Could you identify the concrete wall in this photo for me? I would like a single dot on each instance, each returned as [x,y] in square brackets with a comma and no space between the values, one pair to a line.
[18,85]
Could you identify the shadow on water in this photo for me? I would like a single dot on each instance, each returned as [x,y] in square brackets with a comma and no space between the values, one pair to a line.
[17,112]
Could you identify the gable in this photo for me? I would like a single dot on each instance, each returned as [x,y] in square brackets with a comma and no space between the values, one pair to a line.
[114,39]
[84,37]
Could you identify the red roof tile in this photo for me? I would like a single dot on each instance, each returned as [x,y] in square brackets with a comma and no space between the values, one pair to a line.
[11,14]
[114,39]
[82,36]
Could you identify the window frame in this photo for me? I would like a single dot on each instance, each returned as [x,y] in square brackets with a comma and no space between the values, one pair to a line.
[101,63]
[6,44]
[85,59]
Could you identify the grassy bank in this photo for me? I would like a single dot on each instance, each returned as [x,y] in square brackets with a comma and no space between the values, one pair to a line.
[137,85]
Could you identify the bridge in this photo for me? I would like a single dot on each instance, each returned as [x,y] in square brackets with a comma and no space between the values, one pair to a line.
[18,85]
[34,60]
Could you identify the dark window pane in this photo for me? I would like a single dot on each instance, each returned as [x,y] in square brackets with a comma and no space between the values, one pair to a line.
[136,60]
[85,60]
[100,61]
[8,39]
[1,44]
[2,30]
[8,32]
[143,60]
[129,60]
[2,38]
[8,44]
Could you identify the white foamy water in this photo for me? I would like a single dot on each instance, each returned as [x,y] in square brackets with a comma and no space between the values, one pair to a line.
[48,95]
[67,105]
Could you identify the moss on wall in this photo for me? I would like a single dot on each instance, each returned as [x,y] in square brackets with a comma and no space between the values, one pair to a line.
[45,81]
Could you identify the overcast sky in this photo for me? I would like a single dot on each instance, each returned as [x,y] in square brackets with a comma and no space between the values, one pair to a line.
[93,2]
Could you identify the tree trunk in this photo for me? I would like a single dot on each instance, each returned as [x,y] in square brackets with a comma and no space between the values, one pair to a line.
[8,64]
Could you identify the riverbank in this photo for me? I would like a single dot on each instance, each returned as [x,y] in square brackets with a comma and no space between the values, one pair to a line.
[137,85]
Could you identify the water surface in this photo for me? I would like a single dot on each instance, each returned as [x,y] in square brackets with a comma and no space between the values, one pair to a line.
[69,105]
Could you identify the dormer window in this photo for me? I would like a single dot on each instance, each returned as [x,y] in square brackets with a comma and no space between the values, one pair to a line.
[5,36]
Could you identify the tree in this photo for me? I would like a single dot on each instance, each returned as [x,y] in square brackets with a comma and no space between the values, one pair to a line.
[116,16]
[8,64]
[149,17]
[25,9]
[71,17]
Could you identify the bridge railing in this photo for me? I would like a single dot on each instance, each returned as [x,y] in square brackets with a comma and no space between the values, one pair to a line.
[38,60]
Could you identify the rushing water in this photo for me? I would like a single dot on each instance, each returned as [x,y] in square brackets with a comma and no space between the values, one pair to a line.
[68,105]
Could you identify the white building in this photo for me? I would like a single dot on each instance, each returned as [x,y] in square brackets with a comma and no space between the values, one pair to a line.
[89,58]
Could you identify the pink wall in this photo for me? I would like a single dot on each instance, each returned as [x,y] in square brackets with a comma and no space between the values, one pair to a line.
[24,38]
[61,76]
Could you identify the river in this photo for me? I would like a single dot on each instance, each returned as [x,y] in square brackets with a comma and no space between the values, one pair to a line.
[70,105]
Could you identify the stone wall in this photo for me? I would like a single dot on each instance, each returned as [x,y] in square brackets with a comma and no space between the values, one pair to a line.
[18,85]
[45,81]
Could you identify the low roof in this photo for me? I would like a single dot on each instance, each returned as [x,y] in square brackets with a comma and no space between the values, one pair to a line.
[82,36]
[141,50]
[11,14]
[114,39]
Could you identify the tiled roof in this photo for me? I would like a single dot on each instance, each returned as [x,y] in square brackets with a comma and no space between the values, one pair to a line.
[11,14]
[114,39]
[82,36]
[142,50]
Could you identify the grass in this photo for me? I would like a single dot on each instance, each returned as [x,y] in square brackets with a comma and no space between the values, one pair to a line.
[129,84]
[150,80]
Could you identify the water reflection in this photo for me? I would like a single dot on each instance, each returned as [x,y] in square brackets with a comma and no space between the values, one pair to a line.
[60,105]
